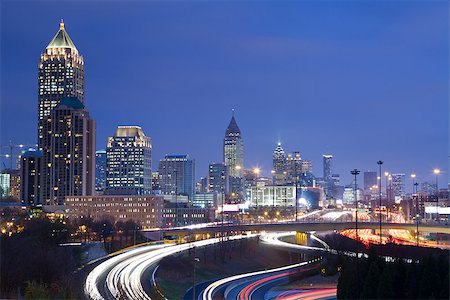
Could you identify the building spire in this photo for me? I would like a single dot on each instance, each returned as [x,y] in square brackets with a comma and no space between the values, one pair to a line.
[232,112]
[61,25]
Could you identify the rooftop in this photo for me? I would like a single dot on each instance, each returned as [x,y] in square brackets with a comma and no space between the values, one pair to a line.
[62,39]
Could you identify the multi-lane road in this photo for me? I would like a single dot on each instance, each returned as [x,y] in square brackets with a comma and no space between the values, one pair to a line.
[121,276]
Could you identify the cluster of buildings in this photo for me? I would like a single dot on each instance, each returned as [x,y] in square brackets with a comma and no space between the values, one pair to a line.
[66,174]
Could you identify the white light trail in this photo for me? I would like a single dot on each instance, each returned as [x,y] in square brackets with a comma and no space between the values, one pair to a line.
[124,272]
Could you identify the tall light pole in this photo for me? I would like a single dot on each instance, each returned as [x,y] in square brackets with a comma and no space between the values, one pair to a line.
[196,260]
[256,172]
[417,214]
[436,172]
[356,172]
[296,190]
[413,178]
[176,198]
[379,204]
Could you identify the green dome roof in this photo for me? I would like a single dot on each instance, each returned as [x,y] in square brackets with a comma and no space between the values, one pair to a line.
[72,102]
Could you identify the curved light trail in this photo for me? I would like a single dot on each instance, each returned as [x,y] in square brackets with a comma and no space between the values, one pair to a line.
[124,272]
[211,289]
[322,293]
[248,291]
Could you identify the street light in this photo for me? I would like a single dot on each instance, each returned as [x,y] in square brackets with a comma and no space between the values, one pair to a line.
[256,172]
[356,172]
[379,206]
[417,214]
[196,260]
[437,172]
[415,184]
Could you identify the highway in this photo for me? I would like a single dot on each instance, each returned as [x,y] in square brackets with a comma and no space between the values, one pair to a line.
[313,294]
[248,283]
[255,285]
[121,276]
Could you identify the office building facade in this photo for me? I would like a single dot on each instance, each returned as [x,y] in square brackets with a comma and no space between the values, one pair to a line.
[68,165]
[279,165]
[100,171]
[218,178]
[129,162]
[233,155]
[30,177]
[177,175]
[60,74]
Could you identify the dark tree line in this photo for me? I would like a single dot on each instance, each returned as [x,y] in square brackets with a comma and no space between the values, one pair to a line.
[33,265]
[375,279]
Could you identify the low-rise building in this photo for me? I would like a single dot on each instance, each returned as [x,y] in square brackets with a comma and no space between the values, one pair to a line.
[182,215]
[146,210]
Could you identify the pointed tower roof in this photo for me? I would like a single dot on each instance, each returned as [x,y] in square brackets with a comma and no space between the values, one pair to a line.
[233,128]
[62,39]
[279,153]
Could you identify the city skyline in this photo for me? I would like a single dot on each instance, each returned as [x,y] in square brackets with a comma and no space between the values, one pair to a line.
[263,131]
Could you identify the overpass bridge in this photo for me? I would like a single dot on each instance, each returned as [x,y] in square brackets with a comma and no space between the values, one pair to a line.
[292,226]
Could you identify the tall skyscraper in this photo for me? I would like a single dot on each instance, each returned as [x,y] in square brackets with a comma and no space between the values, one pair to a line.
[293,167]
[398,185]
[129,162]
[279,165]
[69,153]
[60,74]
[100,171]
[30,177]
[177,175]
[233,155]
[218,178]
[327,175]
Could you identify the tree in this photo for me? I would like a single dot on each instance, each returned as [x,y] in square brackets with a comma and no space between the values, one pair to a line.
[385,284]
[370,288]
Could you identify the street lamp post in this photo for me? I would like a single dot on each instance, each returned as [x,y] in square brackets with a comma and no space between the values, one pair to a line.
[436,172]
[256,172]
[296,190]
[196,260]
[416,184]
[356,172]
[379,204]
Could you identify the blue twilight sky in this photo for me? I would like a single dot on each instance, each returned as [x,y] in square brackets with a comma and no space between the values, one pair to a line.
[362,80]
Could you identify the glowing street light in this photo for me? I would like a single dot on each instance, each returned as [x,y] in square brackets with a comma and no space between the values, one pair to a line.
[256,171]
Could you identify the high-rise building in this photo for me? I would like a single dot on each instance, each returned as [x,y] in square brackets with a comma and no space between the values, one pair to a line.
[69,153]
[60,74]
[327,175]
[155,182]
[129,162]
[279,165]
[177,175]
[10,184]
[30,177]
[293,167]
[218,178]
[5,181]
[233,155]
[66,134]
[306,166]
[100,171]
[398,186]
[370,179]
